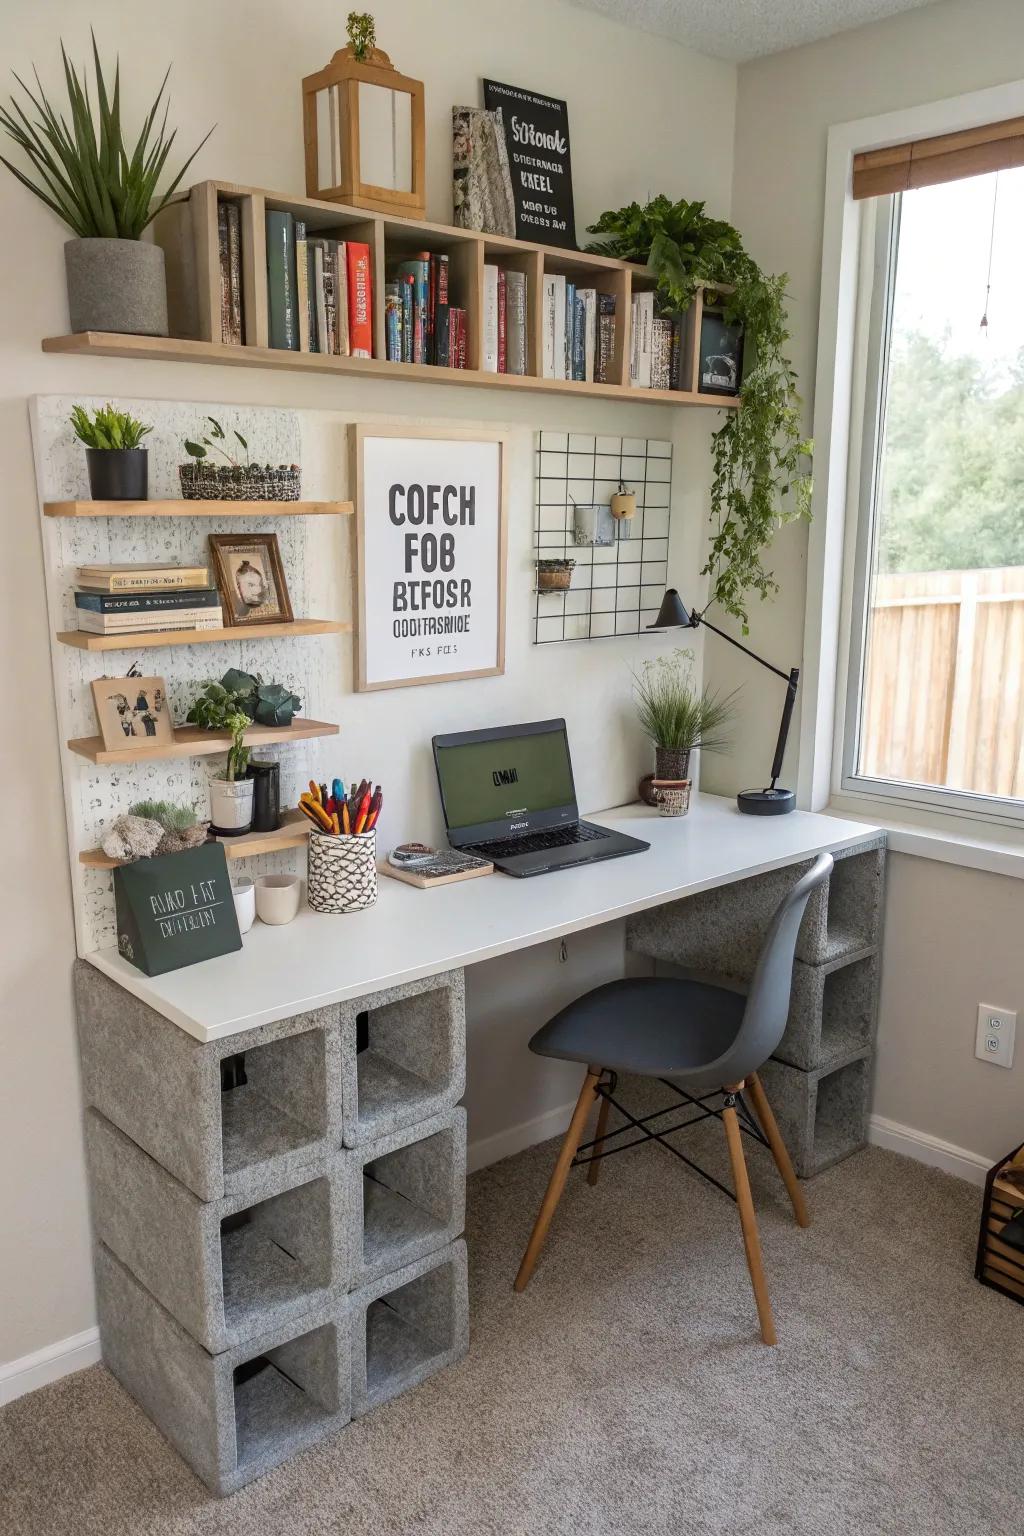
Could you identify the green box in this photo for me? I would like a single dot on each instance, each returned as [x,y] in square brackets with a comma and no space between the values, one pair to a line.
[175,910]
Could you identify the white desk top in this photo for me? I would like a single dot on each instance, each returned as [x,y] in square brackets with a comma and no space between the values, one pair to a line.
[410,933]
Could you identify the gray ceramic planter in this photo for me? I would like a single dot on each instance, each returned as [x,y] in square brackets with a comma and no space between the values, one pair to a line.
[116,285]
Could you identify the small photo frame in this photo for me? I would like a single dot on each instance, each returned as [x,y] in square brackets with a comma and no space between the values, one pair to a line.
[132,712]
[250,578]
[720,366]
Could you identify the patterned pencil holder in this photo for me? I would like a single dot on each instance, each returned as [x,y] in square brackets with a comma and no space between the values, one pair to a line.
[342,874]
[673,796]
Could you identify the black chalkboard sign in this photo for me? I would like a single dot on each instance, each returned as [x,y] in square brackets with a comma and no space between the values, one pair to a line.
[175,910]
[537,138]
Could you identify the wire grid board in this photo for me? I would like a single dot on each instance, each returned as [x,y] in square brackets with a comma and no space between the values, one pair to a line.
[616,589]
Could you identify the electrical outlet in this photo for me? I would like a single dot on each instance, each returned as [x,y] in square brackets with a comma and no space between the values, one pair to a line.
[996,1029]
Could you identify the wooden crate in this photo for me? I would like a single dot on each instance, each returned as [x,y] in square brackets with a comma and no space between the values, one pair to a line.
[998,1264]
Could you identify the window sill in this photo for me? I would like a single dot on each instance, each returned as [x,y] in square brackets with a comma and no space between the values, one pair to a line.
[944,838]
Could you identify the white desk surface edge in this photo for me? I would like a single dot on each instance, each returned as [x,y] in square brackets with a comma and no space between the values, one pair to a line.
[317,960]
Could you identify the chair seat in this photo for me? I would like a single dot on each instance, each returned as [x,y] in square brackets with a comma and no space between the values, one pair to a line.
[654,1026]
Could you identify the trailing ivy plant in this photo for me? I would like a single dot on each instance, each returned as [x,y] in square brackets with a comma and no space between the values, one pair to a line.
[760,457]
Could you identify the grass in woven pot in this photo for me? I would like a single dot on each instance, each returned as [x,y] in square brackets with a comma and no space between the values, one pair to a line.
[673,713]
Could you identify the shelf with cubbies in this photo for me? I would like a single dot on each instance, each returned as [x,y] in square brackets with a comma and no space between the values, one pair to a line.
[197,308]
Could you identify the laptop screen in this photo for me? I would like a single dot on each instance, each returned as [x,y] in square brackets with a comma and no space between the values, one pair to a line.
[507,780]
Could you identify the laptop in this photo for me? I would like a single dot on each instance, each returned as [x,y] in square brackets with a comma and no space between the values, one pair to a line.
[508,796]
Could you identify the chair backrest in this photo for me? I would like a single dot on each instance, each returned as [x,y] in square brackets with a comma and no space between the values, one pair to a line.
[764,1018]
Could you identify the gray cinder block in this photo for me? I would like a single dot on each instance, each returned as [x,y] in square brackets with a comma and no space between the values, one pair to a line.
[235,1415]
[832,1012]
[229,1269]
[823,1115]
[163,1089]
[414,1065]
[410,1194]
[408,1325]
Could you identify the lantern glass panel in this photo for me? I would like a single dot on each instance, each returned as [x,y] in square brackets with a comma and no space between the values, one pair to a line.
[385,137]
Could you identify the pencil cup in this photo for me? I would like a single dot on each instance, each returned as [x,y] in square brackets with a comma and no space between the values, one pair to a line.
[342,871]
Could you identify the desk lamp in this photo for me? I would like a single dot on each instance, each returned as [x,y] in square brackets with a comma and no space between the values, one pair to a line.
[753,802]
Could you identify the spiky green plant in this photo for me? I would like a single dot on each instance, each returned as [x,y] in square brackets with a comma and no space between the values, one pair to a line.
[84,172]
[671,711]
[173,818]
[107,428]
[362,34]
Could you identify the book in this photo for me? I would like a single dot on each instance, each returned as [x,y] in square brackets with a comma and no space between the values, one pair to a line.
[418,268]
[393,322]
[641,341]
[302,284]
[281,296]
[661,353]
[515,323]
[141,578]
[588,297]
[579,337]
[675,370]
[140,624]
[225,278]
[457,338]
[554,326]
[360,299]
[430,317]
[408,286]
[490,319]
[605,338]
[320,297]
[111,603]
[570,326]
[502,321]
[442,313]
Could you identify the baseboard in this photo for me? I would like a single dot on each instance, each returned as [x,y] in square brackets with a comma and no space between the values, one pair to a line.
[491,1149]
[923,1148]
[49,1364]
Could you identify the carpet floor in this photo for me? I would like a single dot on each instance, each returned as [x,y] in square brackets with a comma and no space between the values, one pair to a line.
[626,1391]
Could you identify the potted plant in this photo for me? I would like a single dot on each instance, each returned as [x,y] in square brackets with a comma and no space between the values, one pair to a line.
[554,575]
[118,466]
[80,167]
[217,709]
[677,718]
[202,480]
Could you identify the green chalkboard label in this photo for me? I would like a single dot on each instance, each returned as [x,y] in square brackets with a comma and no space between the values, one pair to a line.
[175,910]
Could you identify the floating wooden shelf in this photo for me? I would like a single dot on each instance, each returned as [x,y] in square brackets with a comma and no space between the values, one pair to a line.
[195,508]
[192,741]
[83,640]
[292,833]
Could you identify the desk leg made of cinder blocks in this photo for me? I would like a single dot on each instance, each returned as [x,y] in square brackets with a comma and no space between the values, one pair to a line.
[277,1215]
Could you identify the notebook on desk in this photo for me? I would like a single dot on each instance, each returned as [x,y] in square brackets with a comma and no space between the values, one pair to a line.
[508,795]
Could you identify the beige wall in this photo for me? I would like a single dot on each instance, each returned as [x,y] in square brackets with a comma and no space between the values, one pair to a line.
[927,1077]
[240,66]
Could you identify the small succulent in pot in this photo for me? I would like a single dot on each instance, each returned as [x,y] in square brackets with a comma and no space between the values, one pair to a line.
[233,480]
[217,709]
[266,703]
[118,465]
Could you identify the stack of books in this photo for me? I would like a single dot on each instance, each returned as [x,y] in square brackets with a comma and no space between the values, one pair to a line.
[421,325]
[230,244]
[504,320]
[656,346]
[579,331]
[319,291]
[132,599]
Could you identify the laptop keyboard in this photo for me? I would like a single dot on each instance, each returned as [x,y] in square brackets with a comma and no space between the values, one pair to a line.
[536,842]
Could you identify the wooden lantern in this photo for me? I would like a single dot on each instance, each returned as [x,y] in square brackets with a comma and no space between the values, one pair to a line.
[363,131]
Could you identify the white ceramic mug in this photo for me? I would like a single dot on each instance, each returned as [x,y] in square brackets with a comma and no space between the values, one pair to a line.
[278,897]
[243,893]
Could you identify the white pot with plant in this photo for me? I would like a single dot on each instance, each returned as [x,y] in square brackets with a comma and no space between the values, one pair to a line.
[217,709]
[677,717]
[79,166]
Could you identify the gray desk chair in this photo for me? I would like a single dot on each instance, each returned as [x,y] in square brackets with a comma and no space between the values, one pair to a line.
[703,1040]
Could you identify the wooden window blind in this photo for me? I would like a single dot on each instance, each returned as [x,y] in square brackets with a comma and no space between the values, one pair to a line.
[949,157]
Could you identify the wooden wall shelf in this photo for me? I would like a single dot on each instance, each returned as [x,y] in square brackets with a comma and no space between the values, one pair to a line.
[292,833]
[193,508]
[387,237]
[192,741]
[83,640]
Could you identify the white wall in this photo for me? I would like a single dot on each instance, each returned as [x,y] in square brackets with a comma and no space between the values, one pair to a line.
[950,933]
[639,112]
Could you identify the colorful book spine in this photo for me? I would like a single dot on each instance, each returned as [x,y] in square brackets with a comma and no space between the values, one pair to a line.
[418,268]
[393,322]
[330,296]
[144,579]
[661,353]
[312,315]
[342,324]
[570,323]
[281,295]
[588,296]
[579,338]
[117,603]
[408,284]
[225,273]
[516,321]
[605,338]
[490,318]
[641,336]
[675,372]
[442,314]
[461,343]
[302,284]
[502,321]
[360,300]
[323,335]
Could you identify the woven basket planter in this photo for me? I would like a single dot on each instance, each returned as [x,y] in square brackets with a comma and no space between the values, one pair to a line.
[342,872]
[554,575]
[224,482]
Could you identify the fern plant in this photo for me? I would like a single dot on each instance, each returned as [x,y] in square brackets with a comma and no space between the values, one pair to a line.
[107,428]
[761,474]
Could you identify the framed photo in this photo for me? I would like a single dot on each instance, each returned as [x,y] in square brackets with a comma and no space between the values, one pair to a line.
[131,711]
[250,578]
[720,363]
[431,555]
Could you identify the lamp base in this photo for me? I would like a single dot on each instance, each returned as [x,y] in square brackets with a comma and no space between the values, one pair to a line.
[766,802]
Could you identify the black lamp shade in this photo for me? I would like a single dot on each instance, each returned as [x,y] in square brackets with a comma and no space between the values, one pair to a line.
[672,614]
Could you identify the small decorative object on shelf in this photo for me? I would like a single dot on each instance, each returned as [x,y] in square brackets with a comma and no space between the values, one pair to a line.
[720,363]
[536,132]
[115,279]
[266,800]
[118,465]
[131,711]
[250,577]
[554,575]
[677,718]
[175,910]
[481,179]
[179,824]
[363,127]
[673,796]
[232,480]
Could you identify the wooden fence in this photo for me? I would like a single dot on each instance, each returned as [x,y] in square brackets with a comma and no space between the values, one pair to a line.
[944,690]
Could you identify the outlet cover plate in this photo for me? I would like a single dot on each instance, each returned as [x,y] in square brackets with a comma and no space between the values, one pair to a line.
[996,1030]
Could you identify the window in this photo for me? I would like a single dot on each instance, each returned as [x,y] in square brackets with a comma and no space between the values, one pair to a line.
[935,704]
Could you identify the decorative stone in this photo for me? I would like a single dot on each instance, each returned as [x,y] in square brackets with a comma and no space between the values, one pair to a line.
[133,837]
[116,285]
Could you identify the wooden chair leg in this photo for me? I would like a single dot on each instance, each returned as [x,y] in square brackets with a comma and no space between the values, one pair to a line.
[763,1110]
[751,1241]
[594,1166]
[573,1137]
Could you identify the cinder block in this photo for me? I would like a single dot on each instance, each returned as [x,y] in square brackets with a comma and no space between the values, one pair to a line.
[229,1269]
[414,1062]
[410,1194]
[408,1325]
[823,1115]
[723,930]
[235,1415]
[163,1089]
[832,1012]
